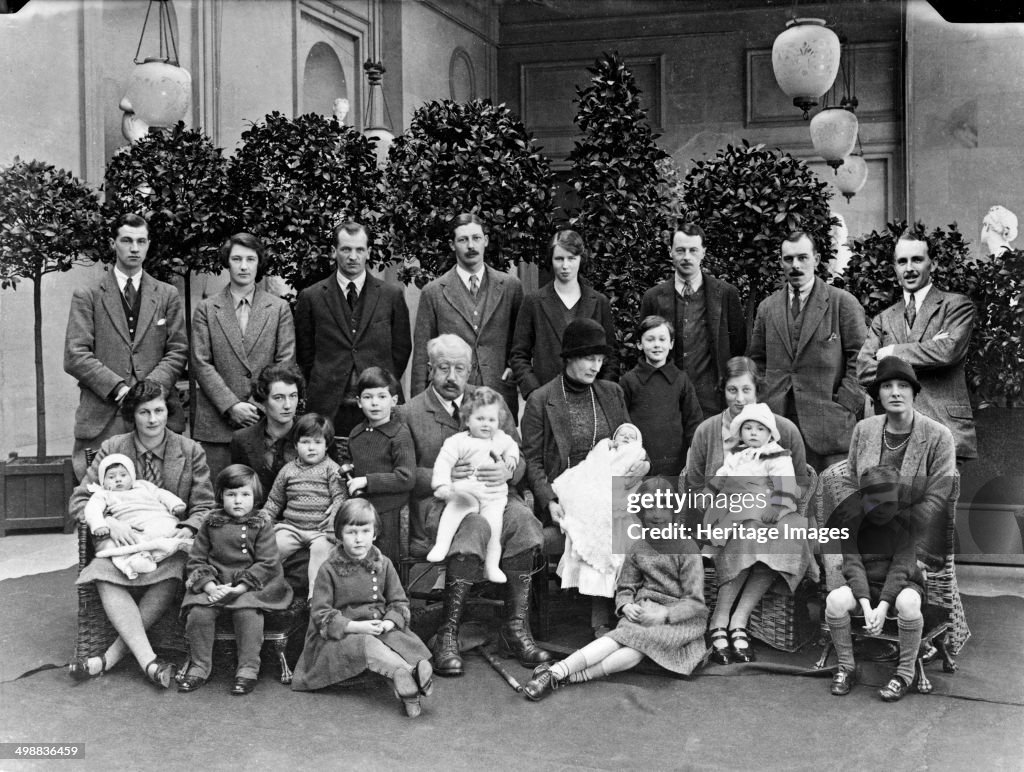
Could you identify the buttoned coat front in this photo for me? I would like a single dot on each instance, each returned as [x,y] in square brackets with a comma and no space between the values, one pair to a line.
[444,309]
[821,369]
[100,352]
[328,350]
[225,361]
[938,364]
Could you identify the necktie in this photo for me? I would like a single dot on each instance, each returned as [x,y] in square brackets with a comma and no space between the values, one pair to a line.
[151,471]
[474,285]
[243,314]
[453,410]
[351,295]
[794,308]
[129,293]
[911,311]
[687,291]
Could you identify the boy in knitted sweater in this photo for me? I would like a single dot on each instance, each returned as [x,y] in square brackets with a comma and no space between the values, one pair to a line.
[307,494]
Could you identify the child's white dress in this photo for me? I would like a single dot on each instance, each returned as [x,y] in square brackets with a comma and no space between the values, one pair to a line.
[587,492]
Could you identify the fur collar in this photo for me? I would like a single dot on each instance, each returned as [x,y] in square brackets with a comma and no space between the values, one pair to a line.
[346,566]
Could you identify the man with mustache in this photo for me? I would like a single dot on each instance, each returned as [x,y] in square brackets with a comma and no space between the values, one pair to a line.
[432,417]
[930,330]
[706,313]
[806,337]
[346,323]
[477,303]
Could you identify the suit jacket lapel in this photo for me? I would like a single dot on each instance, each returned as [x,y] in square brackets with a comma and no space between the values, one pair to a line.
[713,306]
[371,296]
[777,315]
[548,300]
[147,305]
[493,296]
[817,306]
[928,309]
[174,462]
[896,319]
[453,295]
[441,415]
[228,320]
[332,299]
[259,315]
[558,417]
[587,306]
[113,305]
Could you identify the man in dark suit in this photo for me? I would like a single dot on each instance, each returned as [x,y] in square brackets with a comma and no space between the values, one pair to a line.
[235,334]
[432,417]
[125,328]
[706,313]
[477,303]
[806,337]
[930,330]
[346,323]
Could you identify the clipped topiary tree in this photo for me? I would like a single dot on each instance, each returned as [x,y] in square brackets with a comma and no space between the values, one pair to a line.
[747,199]
[178,181]
[616,174]
[467,157]
[293,180]
[49,221]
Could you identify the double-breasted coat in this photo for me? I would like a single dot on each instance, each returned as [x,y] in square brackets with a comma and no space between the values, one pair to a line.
[348,590]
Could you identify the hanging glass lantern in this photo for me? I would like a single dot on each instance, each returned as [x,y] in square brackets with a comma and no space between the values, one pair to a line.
[376,129]
[805,58]
[834,134]
[159,92]
[851,176]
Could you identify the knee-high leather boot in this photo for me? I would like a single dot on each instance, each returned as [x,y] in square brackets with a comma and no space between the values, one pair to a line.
[447,661]
[516,639]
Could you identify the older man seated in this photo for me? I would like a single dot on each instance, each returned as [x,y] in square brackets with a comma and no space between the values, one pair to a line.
[432,417]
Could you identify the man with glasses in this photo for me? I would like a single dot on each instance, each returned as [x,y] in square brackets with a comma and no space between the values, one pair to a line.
[432,417]
[706,314]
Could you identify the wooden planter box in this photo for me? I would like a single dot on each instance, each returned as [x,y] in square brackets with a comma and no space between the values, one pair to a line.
[33,494]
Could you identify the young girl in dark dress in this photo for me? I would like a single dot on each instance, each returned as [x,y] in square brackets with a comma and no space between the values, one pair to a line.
[233,565]
[359,617]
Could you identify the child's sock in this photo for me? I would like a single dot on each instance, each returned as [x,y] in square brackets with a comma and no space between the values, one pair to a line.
[843,640]
[910,642]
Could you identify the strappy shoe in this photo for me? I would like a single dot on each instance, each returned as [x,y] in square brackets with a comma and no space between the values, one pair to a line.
[78,668]
[741,653]
[160,673]
[424,675]
[719,654]
[407,691]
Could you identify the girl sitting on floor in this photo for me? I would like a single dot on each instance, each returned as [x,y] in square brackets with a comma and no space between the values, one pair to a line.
[359,616]
[660,598]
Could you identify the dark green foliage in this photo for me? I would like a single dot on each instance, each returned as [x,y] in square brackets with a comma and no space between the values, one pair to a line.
[994,359]
[615,172]
[294,180]
[747,199]
[467,157]
[177,180]
[49,221]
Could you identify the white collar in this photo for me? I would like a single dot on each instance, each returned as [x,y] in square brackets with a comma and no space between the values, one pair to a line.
[464,274]
[238,298]
[919,295]
[343,282]
[446,402]
[695,284]
[122,279]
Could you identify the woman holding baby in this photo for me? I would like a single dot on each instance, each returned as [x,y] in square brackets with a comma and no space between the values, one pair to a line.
[169,462]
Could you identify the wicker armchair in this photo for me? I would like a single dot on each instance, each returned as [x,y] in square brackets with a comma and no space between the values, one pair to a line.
[781,619]
[945,623]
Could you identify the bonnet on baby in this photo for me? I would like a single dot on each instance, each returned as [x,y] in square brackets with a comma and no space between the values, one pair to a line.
[636,431]
[759,412]
[115,459]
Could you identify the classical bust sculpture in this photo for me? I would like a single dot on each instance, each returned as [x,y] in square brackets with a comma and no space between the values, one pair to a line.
[998,229]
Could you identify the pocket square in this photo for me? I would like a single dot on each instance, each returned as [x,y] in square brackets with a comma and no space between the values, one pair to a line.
[161,322]
[832,338]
